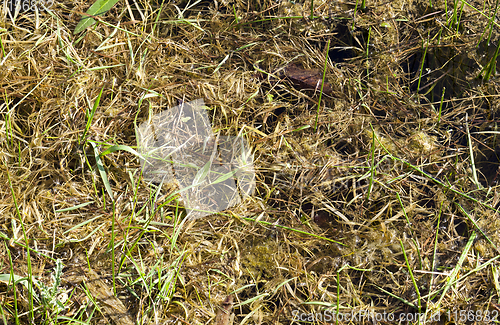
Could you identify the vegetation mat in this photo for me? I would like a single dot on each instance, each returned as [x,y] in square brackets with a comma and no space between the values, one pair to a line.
[374,132]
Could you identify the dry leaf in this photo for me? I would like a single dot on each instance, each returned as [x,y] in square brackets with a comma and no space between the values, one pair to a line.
[307,79]
[224,313]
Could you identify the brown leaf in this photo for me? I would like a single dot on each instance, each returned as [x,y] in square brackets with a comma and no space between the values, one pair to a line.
[307,79]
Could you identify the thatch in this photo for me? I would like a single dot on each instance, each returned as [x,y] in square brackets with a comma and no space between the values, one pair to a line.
[376,173]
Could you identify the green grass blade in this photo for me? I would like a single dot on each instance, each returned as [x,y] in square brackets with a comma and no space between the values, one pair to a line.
[102,171]
[412,277]
[124,148]
[98,8]
[27,243]
[75,207]
[471,153]
[90,116]
[457,268]
[372,165]
[477,227]
[224,177]
[422,65]
[394,296]
[322,85]
[202,174]
[249,301]
[441,105]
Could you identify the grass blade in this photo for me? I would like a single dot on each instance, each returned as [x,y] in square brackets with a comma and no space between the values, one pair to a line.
[98,8]
[412,277]
[74,207]
[121,147]
[471,153]
[322,85]
[457,268]
[90,116]
[102,171]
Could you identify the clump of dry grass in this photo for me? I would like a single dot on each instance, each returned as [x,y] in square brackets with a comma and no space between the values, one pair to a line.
[376,196]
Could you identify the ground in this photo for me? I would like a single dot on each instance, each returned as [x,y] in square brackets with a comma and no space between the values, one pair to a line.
[373,128]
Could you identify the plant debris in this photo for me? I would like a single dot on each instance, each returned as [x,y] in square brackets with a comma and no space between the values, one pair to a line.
[306,79]
[382,197]
[224,315]
[99,290]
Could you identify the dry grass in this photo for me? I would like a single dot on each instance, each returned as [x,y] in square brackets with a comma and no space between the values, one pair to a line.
[378,195]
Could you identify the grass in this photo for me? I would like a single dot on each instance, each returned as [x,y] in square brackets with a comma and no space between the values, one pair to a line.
[378,195]
[322,82]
